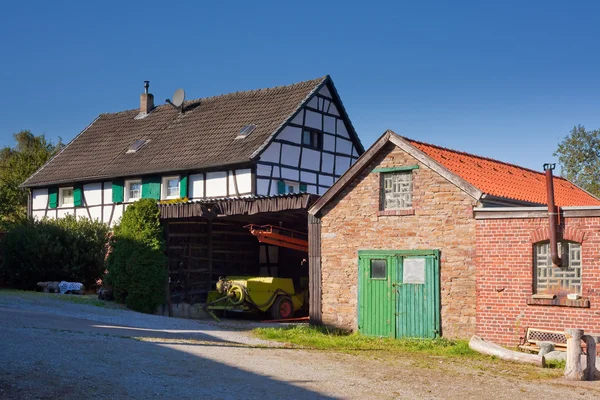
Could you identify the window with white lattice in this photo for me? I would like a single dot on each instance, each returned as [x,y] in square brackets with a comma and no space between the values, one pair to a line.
[396,190]
[563,280]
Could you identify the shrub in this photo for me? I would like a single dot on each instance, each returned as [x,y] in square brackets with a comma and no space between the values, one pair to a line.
[53,250]
[137,264]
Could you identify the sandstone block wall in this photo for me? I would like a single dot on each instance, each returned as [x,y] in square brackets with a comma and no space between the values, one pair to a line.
[442,218]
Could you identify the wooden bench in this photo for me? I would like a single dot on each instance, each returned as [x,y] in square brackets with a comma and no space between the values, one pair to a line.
[534,336]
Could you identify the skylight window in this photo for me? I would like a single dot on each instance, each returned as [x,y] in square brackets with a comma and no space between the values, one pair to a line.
[136,145]
[245,131]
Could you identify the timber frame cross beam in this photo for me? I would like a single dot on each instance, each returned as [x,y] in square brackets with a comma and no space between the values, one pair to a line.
[282,237]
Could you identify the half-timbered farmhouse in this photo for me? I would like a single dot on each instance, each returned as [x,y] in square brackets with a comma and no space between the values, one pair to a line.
[260,156]
[416,240]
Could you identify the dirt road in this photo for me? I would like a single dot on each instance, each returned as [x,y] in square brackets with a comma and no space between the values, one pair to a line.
[53,349]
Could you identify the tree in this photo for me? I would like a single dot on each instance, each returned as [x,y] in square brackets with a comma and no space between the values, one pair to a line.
[579,158]
[16,165]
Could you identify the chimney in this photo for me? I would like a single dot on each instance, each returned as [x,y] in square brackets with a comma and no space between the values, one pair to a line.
[146,100]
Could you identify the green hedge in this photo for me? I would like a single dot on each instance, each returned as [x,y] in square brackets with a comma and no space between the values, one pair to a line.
[67,249]
[137,268]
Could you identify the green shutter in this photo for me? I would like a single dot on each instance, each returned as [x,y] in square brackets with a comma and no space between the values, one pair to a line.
[303,187]
[77,196]
[151,187]
[281,187]
[183,186]
[117,191]
[53,197]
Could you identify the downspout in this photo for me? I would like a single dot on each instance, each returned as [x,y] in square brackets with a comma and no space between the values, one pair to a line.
[552,215]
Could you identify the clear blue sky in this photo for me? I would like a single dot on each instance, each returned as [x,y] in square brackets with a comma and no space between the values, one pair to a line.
[505,79]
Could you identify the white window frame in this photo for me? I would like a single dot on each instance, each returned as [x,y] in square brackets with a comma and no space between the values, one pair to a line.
[61,197]
[295,185]
[165,181]
[128,190]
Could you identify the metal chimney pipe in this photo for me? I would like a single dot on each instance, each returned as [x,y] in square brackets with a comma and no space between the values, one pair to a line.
[552,215]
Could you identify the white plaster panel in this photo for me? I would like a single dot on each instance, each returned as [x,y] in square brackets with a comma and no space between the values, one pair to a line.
[328,142]
[216,184]
[325,180]
[343,146]
[51,214]
[244,180]
[325,92]
[354,152]
[353,160]
[118,213]
[322,190]
[324,105]
[291,174]
[341,129]
[38,214]
[299,118]
[291,134]
[290,155]
[327,164]
[107,211]
[196,185]
[313,119]
[231,184]
[262,187]
[341,164]
[314,102]
[263,170]
[274,187]
[271,153]
[308,177]
[96,213]
[81,213]
[311,159]
[311,189]
[107,193]
[61,213]
[329,124]
[93,193]
[40,198]
[333,110]
[276,171]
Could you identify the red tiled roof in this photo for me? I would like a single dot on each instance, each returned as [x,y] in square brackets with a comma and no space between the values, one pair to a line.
[506,180]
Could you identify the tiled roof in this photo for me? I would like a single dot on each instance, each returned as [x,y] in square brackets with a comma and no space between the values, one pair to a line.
[203,136]
[505,180]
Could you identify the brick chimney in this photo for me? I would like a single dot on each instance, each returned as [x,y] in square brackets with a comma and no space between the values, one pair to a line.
[146,100]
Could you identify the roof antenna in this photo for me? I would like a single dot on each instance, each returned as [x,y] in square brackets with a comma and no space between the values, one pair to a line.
[178,100]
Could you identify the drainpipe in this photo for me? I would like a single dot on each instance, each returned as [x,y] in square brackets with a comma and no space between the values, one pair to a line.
[552,215]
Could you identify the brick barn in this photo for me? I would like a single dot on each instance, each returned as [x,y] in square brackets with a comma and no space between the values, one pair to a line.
[416,240]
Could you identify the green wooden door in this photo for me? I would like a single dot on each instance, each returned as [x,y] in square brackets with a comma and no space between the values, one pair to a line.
[399,293]
[375,299]
[417,297]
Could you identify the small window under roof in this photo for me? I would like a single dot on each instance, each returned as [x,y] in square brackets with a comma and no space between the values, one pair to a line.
[246,130]
[136,145]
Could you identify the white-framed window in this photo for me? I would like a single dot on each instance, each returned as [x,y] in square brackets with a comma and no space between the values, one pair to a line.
[549,279]
[396,191]
[170,187]
[66,198]
[133,189]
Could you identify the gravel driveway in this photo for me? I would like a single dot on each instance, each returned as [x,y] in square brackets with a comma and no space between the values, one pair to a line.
[55,349]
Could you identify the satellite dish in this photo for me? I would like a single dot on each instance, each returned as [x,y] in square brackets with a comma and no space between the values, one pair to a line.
[178,97]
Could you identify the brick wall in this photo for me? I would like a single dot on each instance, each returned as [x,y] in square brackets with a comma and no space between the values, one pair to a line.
[443,219]
[505,278]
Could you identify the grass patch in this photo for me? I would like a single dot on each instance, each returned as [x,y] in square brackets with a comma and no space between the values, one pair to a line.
[324,339]
[91,300]
[556,364]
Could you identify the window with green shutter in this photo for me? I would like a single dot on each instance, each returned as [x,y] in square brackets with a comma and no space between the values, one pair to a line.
[53,197]
[117,190]
[183,186]
[151,187]
[78,196]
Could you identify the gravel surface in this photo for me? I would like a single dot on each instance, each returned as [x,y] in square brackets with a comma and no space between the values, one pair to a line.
[54,349]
